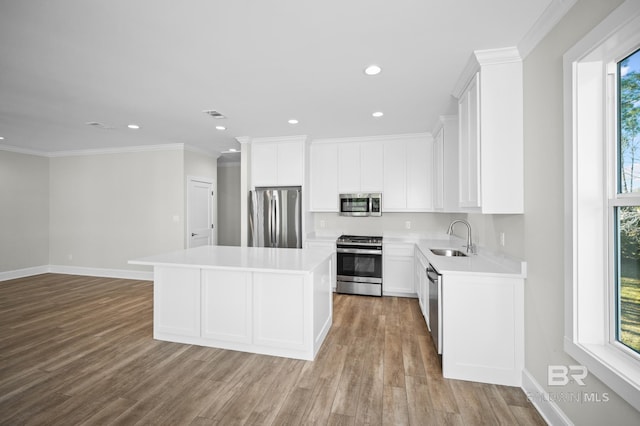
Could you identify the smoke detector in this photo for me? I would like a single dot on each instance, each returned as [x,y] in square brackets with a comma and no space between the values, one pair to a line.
[98,125]
[213,113]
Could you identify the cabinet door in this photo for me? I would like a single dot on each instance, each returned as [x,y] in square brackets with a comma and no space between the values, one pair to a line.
[438,170]
[324,178]
[398,270]
[394,194]
[264,164]
[371,165]
[176,293]
[281,313]
[348,168]
[469,155]
[226,305]
[419,164]
[289,165]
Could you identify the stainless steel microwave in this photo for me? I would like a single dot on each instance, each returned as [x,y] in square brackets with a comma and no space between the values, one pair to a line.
[361,204]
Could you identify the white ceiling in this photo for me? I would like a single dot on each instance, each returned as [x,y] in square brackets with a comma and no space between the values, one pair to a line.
[160,63]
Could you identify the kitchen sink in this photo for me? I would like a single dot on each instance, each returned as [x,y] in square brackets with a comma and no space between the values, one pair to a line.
[447,252]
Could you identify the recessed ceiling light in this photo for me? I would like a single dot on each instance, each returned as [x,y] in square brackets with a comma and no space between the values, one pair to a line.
[372,70]
[1,138]
[293,121]
[378,114]
[133,126]
[221,128]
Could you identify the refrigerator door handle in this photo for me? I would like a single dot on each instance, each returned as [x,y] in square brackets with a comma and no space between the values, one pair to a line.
[270,220]
[276,209]
[298,220]
[252,218]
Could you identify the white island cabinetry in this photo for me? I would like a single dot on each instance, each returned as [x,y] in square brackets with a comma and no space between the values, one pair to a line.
[260,300]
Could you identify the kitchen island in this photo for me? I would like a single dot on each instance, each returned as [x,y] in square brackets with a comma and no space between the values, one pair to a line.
[262,300]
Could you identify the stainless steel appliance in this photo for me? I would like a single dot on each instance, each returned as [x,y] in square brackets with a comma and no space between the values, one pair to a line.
[435,306]
[361,204]
[275,217]
[359,265]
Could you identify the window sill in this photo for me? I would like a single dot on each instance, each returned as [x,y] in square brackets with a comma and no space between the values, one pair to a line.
[613,368]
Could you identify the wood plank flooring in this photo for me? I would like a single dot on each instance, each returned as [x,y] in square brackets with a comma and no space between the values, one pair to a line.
[79,350]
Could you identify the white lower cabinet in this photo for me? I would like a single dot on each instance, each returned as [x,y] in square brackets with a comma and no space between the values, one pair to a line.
[176,298]
[397,269]
[226,296]
[483,328]
[279,302]
[422,284]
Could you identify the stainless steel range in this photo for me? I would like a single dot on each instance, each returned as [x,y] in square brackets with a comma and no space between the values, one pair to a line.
[359,268]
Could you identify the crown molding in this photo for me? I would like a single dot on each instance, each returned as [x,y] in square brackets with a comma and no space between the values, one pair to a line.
[296,138]
[18,150]
[481,58]
[375,138]
[545,23]
[119,150]
[441,121]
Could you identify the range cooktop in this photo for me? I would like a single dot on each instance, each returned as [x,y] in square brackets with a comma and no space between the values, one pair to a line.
[359,239]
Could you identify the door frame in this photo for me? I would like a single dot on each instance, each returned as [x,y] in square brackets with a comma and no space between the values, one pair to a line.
[213,205]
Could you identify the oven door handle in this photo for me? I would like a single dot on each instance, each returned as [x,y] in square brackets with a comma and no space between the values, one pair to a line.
[358,251]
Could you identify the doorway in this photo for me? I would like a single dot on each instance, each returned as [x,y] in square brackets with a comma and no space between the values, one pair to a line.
[200,212]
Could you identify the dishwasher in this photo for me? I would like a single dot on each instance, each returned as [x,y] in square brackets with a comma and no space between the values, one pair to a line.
[435,306]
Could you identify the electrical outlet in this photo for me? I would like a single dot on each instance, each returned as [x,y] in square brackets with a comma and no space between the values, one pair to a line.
[502,238]
[322,224]
[69,257]
[407,224]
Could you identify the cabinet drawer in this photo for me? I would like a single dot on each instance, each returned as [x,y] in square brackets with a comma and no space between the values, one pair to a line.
[398,250]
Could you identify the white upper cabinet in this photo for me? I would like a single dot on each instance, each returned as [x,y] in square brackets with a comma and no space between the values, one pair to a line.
[490,109]
[399,166]
[445,165]
[277,162]
[324,177]
[407,174]
[359,167]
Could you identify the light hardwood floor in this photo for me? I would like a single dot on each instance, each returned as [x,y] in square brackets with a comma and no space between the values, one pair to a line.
[79,350]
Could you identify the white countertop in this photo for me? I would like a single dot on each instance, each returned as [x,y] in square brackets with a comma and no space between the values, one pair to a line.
[259,259]
[484,263]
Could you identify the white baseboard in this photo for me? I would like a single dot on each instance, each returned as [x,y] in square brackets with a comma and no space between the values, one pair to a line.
[25,272]
[77,270]
[540,398]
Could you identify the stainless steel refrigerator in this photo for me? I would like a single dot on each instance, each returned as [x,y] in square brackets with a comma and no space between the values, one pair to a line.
[275,217]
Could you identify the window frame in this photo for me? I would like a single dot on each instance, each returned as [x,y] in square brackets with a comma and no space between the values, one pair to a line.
[590,116]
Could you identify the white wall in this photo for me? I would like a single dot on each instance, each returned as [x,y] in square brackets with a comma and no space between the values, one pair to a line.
[388,222]
[539,233]
[24,211]
[109,208]
[229,204]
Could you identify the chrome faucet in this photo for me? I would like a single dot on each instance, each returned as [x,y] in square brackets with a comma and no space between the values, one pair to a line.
[470,247]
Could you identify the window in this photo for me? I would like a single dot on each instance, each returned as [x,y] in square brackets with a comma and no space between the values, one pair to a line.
[626,224]
[602,189]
